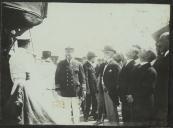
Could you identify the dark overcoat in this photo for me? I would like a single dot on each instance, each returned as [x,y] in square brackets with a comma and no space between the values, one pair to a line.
[145,77]
[90,75]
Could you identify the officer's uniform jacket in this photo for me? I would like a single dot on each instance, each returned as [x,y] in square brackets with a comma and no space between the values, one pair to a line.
[70,78]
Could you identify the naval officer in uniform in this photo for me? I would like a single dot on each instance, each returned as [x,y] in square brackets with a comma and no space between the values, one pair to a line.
[70,84]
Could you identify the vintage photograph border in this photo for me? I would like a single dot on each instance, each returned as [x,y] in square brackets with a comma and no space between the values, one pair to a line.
[170,94]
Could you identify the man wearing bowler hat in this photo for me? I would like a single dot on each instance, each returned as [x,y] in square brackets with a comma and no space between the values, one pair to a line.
[108,85]
[91,83]
[70,80]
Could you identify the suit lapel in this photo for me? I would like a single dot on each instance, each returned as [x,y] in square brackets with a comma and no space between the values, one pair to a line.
[108,65]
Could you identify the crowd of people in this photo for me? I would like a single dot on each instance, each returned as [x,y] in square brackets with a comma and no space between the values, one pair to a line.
[138,81]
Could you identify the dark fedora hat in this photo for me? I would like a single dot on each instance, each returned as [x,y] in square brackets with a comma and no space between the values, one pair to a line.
[109,48]
[91,55]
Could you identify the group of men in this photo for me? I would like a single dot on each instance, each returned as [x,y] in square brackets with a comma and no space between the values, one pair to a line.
[139,83]
[144,86]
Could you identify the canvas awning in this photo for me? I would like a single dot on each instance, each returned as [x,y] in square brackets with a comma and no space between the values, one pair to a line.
[36,8]
[18,17]
[23,14]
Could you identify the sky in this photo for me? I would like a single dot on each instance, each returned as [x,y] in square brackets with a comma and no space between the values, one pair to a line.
[89,27]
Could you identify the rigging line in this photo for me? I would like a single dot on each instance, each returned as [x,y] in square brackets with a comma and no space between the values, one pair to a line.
[31,41]
[33,52]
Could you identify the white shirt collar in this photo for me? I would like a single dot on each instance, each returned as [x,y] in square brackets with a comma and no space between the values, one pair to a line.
[143,63]
[69,61]
[166,53]
[109,60]
[152,62]
[129,60]
[89,62]
[137,62]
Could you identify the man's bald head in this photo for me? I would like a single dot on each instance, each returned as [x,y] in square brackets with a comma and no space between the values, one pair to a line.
[162,45]
[133,52]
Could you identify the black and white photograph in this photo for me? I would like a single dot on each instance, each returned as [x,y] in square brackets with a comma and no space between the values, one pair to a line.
[86,64]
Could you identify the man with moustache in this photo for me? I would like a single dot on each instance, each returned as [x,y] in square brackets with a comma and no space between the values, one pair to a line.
[70,80]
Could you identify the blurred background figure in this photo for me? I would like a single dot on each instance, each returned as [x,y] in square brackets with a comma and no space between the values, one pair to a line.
[98,63]
[137,51]
[84,59]
[91,89]
[79,59]
[120,59]
[54,59]
[46,55]
[47,70]
[162,67]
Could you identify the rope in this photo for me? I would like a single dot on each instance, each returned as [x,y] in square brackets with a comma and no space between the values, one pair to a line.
[31,41]
[32,45]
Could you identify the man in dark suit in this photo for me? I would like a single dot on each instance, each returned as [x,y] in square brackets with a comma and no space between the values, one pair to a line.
[91,88]
[125,85]
[143,88]
[162,67]
[70,80]
[109,72]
